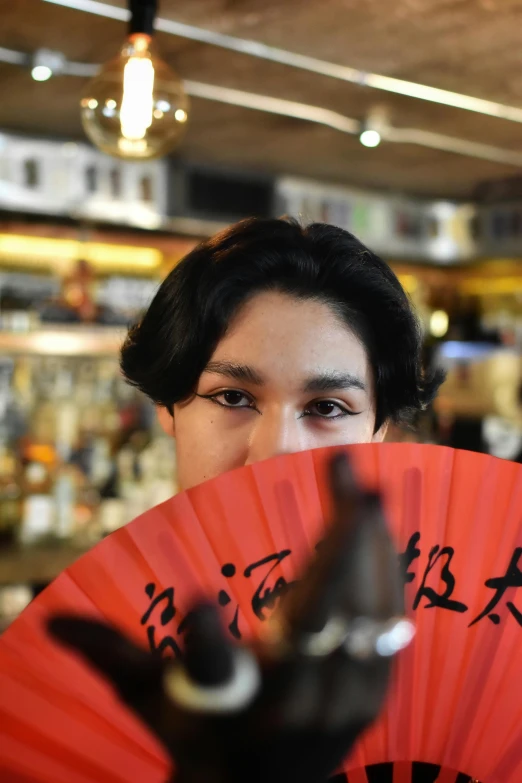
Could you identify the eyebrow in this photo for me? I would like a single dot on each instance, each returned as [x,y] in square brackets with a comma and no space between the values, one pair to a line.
[334,381]
[238,372]
[323,382]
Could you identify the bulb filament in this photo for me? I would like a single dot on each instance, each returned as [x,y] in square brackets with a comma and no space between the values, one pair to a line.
[137,104]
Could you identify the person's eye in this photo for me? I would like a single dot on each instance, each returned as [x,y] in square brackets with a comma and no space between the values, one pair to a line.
[328,409]
[231,398]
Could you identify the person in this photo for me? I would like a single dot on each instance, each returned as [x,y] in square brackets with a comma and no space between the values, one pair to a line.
[267,339]
[273,338]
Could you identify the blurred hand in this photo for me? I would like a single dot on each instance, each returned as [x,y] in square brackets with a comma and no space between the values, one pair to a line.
[291,706]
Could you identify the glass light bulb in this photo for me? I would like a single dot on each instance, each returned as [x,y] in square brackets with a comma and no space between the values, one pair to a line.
[136,107]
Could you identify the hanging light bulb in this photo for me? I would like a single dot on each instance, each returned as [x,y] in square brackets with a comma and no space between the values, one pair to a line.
[136,107]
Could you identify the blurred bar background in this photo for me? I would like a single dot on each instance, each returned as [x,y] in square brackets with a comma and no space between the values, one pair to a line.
[282,95]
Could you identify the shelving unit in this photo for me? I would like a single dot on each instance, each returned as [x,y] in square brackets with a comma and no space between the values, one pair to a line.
[41,563]
[36,565]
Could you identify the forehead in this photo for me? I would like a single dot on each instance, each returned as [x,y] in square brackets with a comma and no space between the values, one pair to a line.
[288,339]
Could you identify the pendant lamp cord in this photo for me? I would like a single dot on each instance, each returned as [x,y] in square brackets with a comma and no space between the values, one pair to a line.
[143,13]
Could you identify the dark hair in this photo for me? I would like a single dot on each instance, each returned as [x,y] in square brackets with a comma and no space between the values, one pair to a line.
[165,354]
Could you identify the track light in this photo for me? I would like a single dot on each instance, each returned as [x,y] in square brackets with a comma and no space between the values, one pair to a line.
[46,63]
[373,129]
[370,138]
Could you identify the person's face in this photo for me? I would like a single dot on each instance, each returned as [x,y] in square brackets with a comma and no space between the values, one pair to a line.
[287,376]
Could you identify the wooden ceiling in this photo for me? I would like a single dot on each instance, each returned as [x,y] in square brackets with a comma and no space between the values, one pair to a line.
[468,46]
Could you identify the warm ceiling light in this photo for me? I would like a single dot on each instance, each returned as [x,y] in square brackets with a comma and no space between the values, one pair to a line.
[439,323]
[136,106]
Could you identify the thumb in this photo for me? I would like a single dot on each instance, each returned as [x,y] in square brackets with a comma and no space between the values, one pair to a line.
[129,668]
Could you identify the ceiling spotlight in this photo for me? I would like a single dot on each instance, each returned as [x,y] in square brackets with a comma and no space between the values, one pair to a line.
[46,63]
[370,138]
[373,129]
[41,73]
[136,106]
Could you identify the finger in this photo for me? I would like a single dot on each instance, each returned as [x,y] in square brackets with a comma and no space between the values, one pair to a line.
[368,569]
[129,668]
[215,676]
[309,606]
[343,486]
[355,573]
[209,654]
[136,675]
[371,586]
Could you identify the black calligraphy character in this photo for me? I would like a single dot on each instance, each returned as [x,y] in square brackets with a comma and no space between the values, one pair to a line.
[167,615]
[169,610]
[166,644]
[267,597]
[511,579]
[440,600]
[406,558]
[229,570]
[223,600]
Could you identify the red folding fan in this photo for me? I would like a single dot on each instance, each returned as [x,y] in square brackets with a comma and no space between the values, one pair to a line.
[456,699]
